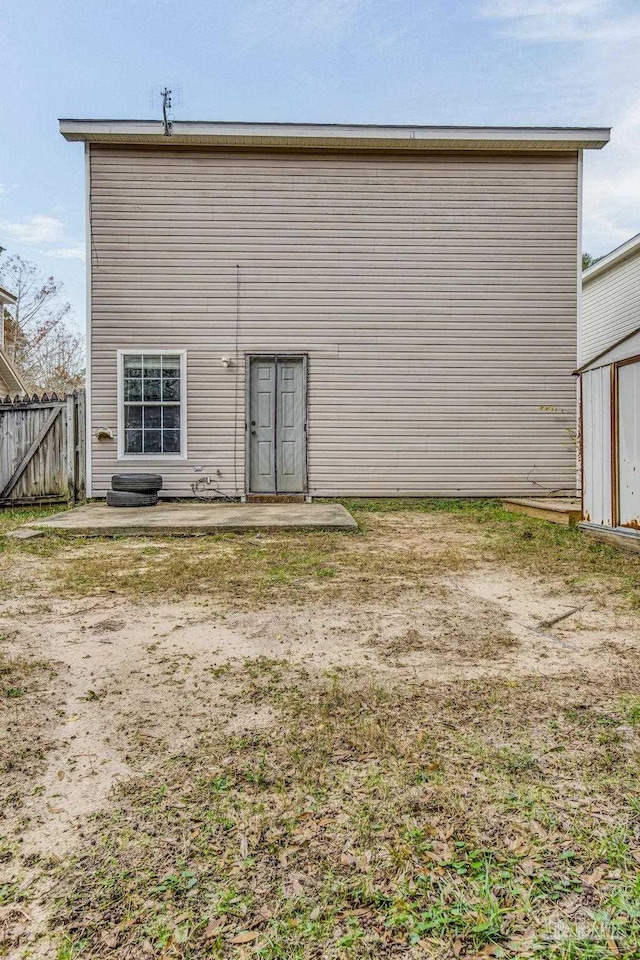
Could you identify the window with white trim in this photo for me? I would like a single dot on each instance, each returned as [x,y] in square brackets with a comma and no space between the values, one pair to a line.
[152,399]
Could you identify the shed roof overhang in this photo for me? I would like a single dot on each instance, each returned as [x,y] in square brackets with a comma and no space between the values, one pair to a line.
[334,136]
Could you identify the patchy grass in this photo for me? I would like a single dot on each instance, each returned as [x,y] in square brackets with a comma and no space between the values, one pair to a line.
[523,543]
[23,736]
[360,817]
[248,570]
[13,578]
[403,544]
[370,821]
[13,517]
[399,547]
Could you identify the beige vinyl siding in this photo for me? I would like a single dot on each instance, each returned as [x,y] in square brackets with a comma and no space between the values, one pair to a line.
[610,307]
[435,297]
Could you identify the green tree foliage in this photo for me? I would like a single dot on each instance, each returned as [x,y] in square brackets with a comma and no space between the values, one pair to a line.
[588,260]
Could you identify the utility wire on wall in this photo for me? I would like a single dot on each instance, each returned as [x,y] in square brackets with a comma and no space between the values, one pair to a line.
[207,489]
[236,403]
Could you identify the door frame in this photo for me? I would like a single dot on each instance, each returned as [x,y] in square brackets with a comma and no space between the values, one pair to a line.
[615,438]
[275,355]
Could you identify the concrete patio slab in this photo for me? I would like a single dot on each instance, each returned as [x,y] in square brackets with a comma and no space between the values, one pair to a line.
[193,519]
[24,533]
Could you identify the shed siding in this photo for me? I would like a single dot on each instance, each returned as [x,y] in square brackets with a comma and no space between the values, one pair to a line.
[630,347]
[435,296]
[610,307]
[596,426]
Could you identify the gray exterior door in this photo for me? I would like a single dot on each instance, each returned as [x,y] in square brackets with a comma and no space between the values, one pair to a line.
[262,410]
[277,452]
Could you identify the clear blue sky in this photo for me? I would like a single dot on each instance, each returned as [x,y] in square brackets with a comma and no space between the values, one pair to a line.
[397,61]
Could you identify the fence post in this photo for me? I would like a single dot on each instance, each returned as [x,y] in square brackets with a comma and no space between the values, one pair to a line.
[81,481]
[71,445]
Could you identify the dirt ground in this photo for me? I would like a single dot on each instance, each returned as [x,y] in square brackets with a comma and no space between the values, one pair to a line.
[109,685]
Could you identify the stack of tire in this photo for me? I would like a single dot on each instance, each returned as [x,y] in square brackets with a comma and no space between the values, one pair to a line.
[134,490]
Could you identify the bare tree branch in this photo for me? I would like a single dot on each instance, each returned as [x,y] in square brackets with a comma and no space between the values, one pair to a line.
[49,355]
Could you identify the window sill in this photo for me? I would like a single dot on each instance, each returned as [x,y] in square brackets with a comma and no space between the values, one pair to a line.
[138,457]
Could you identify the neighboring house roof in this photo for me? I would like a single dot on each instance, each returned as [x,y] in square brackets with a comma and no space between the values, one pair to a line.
[335,136]
[626,249]
[9,374]
[6,297]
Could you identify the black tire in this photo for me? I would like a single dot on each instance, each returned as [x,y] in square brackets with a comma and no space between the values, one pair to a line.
[137,482]
[123,498]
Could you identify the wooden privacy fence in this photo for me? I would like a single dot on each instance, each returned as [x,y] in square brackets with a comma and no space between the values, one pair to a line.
[42,449]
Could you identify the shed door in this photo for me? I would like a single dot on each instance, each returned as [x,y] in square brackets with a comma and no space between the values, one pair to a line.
[629,444]
[277,452]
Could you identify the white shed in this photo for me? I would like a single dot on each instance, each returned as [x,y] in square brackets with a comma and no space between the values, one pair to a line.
[610,397]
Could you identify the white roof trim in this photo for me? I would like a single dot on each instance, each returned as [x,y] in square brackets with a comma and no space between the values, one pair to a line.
[335,136]
[6,296]
[616,256]
[10,374]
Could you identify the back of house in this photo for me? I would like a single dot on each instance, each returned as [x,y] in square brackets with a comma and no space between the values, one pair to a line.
[333,310]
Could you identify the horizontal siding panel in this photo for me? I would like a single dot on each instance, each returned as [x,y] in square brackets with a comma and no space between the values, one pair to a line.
[398,214]
[313,210]
[610,308]
[434,295]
